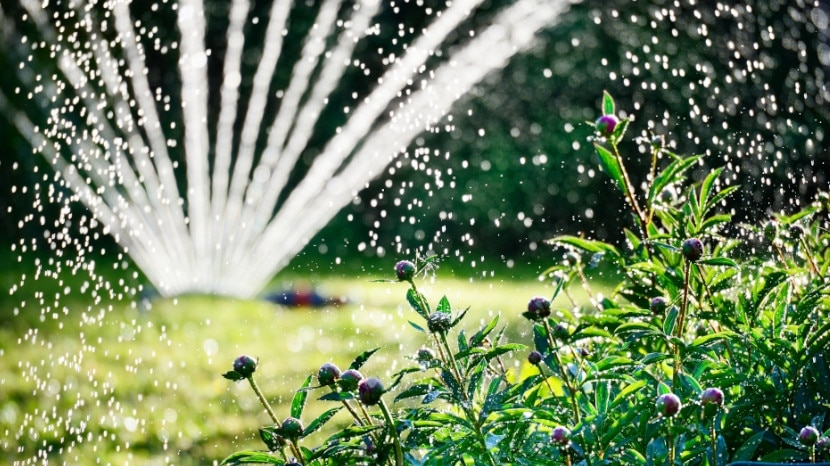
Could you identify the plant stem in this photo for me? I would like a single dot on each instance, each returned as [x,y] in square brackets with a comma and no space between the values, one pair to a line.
[564,373]
[671,443]
[629,192]
[714,441]
[391,425]
[680,321]
[349,408]
[262,400]
[453,363]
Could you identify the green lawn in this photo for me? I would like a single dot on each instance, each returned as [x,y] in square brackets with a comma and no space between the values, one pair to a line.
[112,384]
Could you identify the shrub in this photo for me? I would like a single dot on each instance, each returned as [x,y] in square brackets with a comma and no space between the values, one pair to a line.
[700,302]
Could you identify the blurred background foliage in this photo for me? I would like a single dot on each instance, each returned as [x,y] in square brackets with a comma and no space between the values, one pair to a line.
[744,83]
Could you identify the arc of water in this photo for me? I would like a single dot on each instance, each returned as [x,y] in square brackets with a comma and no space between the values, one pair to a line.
[116,223]
[232,77]
[398,76]
[193,71]
[168,192]
[257,210]
[513,30]
[145,227]
[278,17]
[156,178]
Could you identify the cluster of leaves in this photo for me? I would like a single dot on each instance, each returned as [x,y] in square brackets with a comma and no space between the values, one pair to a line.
[710,350]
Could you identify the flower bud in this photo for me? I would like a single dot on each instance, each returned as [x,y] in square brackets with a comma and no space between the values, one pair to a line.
[570,259]
[668,404]
[658,305]
[534,358]
[561,332]
[796,232]
[349,379]
[405,271]
[823,444]
[658,141]
[369,391]
[425,355]
[711,399]
[808,436]
[245,365]
[292,428]
[328,374]
[712,396]
[537,309]
[561,436]
[692,249]
[439,322]
[771,231]
[605,124]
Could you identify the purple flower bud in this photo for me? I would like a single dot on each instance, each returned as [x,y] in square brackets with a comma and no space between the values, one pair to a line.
[405,271]
[658,305]
[658,141]
[605,124]
[292,428]
[712,396]
[823,444]
[425,355]
[369,391]
[692,249]
[808,436]
[439,322]
[561,332]
[328,374]
[245,365]
[668,405]
[537,309]
[534,357]
[561,436]
[570,259]
[711,399]
[349,379]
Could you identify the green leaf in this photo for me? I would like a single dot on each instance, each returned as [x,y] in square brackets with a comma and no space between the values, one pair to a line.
[607,103]
[298,403]
[652,358]
[714,220]
[416,390]
[361,359]
[718,261]
[251,457]
[452,384]
[337,396]
[624,393]
[619,131]
[746,451]
[271,440]
[444,305]
[417,327]
[233,376]
[670,174]
[479,336]
[584,244]
[611,166]
[712,337]
[321,420]
[706,188]
[418,303]
[722,194]
[662,388]
[671,318]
